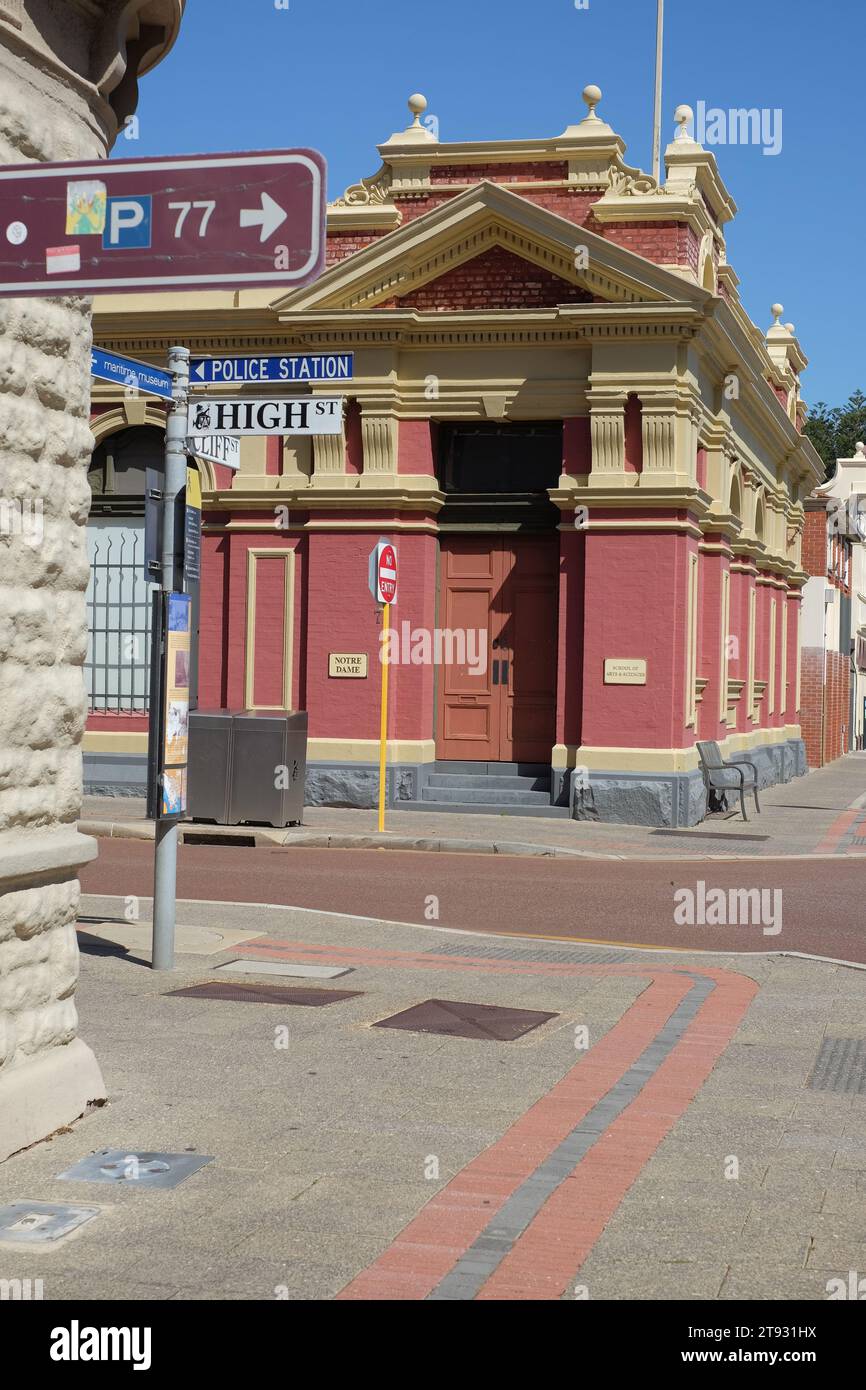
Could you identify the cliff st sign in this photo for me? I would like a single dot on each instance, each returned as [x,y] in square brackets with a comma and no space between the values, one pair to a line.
[214,221]
[307,415]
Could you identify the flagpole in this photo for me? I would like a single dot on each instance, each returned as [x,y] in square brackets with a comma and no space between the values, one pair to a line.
[657,114]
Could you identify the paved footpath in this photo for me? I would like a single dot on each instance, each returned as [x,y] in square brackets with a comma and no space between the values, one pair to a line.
[657,1137]
[822,813]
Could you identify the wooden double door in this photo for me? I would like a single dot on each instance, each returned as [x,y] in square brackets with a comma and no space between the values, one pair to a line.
[502,592]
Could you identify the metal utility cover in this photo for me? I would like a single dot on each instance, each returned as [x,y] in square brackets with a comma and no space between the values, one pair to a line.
[279,967]
[136,1169]
[486,1022]
[41,1223]
[255,993]
[841,1067]
[570,956]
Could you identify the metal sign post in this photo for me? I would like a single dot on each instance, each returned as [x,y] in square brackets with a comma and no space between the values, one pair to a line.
[165,856]
[382,580]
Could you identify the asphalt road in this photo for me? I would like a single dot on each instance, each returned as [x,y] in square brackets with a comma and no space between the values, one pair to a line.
[818,904]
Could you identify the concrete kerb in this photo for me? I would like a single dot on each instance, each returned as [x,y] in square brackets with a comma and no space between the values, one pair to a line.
[312,839]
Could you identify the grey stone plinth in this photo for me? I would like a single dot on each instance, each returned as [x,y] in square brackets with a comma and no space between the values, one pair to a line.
[45,1093]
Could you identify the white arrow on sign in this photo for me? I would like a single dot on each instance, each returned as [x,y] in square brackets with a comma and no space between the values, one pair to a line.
[269,217]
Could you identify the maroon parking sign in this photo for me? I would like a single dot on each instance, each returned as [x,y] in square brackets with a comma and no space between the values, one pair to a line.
[215,221]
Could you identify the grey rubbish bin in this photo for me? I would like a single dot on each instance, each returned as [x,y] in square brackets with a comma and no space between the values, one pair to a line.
[268,768]
[209,768]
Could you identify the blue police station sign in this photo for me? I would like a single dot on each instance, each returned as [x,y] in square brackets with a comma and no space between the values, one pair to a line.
[242,371]
[125,371]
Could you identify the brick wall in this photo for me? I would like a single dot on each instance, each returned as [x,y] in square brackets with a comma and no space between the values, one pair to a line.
[825,711]
[346,243]
[497,279]
[812,704]
[666,243]
[815,542]
[836,706]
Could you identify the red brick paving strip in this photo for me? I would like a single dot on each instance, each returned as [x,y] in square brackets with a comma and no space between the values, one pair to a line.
[837,832]
[552,1249]
[547,1256]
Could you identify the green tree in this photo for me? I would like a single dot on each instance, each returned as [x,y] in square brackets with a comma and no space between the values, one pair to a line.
[834,432]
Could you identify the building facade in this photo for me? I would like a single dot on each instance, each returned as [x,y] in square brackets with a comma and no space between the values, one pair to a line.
[589,459]
[68,81]
[834,614]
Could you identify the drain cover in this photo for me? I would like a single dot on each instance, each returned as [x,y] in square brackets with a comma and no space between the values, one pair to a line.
[841,1066]
[160,1170]
[279,967]
[40,1223]
[458,1020]
[255,993]
[536,956]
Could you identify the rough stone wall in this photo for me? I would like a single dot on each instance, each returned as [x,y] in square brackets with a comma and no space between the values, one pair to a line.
[45,445]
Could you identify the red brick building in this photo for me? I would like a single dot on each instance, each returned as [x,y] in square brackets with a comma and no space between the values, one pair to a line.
[588,457]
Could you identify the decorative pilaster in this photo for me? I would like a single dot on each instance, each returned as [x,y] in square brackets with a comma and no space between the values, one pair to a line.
[379,436]
[329,461]
[607,425]
[659,438]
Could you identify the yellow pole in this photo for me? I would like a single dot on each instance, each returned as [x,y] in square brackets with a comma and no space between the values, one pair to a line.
[383,735]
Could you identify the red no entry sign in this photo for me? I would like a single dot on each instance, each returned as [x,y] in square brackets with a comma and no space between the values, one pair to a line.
[217,221]
[383,573]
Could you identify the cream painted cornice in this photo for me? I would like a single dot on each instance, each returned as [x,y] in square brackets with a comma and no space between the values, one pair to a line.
[412,327]
[403,492]
[732,350]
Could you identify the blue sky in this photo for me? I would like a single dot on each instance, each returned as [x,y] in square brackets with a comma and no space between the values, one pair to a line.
[335,75]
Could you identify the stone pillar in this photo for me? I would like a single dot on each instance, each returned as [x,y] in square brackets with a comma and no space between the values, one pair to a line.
[58,103]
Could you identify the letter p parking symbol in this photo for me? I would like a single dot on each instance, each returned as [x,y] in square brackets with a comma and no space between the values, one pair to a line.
[128,224]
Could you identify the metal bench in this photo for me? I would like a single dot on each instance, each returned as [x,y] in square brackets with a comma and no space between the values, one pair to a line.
[717,774]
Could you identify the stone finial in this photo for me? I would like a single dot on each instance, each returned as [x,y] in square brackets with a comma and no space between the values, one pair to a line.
[684,115]
[777,310]
[592,96]
[860,451]
[415,132]
[591,129]
[790,329]
[417,105]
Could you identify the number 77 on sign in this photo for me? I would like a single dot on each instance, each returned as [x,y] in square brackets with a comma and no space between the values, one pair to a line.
[223,221]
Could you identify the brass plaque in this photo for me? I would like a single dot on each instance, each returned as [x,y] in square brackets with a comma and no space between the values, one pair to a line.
[623,670]
[348,665]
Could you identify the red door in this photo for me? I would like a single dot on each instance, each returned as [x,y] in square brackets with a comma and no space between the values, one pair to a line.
[499,596]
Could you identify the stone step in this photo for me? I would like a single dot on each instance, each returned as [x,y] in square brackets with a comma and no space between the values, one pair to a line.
[486,795]
[483,769]
[482,808]
[457,780]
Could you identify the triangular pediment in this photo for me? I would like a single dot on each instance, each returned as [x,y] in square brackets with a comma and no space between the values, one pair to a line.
[470,226]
